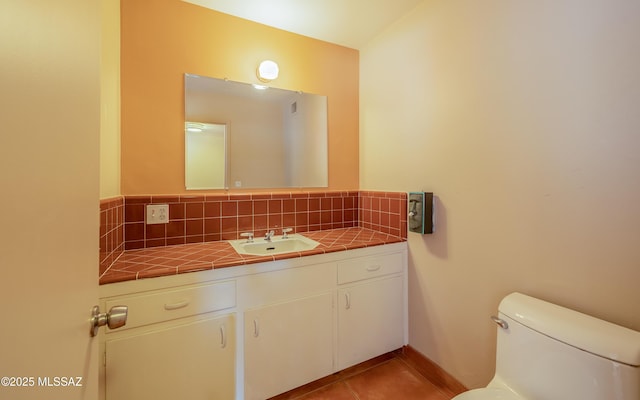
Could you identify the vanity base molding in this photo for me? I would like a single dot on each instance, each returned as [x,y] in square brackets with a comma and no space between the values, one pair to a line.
[335,377]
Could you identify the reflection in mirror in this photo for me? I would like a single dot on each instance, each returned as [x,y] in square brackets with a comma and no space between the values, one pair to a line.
[206,155]
[274,138]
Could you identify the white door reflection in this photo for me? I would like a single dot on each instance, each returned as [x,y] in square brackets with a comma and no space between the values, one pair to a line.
[206,161]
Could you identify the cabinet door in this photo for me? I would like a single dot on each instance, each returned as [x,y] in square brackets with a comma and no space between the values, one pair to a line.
[193,361]
[288,345]
[370,320]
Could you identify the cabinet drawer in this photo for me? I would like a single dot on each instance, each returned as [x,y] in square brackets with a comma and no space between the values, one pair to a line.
[172,304]
[369,267]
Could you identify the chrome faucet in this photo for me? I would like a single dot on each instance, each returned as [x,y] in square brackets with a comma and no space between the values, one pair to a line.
[269,235]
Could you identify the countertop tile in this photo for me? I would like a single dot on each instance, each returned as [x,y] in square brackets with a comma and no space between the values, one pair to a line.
[184,258]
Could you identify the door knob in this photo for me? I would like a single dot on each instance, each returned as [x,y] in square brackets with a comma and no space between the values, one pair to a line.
[115,318]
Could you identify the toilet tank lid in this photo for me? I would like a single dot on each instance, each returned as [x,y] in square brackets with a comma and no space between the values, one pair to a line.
[576,329]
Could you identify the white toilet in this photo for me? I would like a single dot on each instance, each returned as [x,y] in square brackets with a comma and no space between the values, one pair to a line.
[548,352]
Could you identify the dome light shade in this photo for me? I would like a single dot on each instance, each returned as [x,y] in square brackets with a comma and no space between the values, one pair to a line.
[268,70]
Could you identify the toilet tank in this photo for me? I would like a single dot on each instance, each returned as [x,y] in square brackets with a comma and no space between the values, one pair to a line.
[549,352]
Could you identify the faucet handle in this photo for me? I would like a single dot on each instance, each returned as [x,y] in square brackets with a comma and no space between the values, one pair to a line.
[248,235]
[285,231]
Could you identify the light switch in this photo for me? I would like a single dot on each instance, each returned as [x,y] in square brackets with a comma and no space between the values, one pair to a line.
[157,214]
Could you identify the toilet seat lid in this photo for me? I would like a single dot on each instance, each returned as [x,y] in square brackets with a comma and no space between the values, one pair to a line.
[488,394]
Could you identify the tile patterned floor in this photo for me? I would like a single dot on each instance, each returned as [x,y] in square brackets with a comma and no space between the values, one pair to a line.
[389,380]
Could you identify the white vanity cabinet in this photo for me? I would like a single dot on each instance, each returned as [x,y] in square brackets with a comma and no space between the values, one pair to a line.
[254,331]
[195,360]
[368,318]
[288,326]
[371,308]
[177,343]
[287,345]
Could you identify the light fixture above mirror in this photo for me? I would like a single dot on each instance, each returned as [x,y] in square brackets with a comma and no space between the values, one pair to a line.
[268,71]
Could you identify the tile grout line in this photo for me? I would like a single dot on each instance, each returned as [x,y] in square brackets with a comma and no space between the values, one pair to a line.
[353,393]
[343,380]
[412,368]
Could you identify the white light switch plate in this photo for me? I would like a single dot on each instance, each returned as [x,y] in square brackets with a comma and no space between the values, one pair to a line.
[157,214]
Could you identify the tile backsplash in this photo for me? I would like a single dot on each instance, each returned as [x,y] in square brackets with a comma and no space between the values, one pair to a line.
[111,231]
[195,219]
[385,212]
[205,218]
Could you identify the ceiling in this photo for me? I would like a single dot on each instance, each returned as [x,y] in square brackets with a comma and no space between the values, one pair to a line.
[350,23]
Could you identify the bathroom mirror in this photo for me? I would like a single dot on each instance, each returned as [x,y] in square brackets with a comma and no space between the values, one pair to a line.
[264,137]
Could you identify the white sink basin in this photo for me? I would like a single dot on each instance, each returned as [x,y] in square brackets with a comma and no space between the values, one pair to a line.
[277,245]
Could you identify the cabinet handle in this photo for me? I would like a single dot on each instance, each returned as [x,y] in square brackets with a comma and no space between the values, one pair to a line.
[223,337]
[256,328]
[373,268]
[176,306]
[347,297]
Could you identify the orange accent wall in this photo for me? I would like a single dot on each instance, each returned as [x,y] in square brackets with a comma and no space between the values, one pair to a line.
[162,40]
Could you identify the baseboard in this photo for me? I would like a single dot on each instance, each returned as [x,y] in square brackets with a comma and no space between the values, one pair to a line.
[432,371]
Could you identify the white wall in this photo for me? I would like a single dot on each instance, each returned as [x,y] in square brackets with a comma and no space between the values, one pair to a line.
[523,118]
[254,134]
[305,141]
